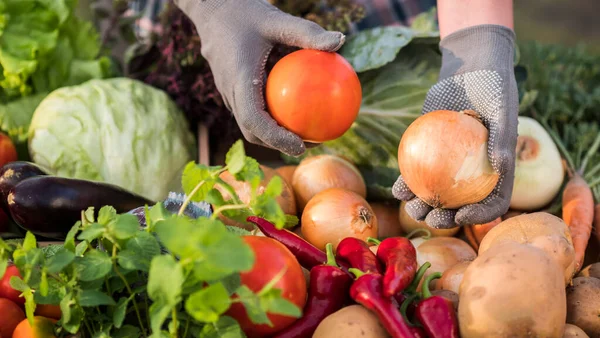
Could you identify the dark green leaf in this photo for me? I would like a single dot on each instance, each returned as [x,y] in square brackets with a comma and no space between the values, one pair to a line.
[232,282]
[51,250]
[206,305]
[91,298]
[106,214]
[91,232]
[72,313]
[225,327]
[274,187]
[120,312]
[269,209]
[94,265]
[92,285]
[61,259]
[81,248]
[127,331]
[139,251]
[165,280]
[253,306]
[251,173]
[56,292]
[215,197]
[235,157]
[126,226]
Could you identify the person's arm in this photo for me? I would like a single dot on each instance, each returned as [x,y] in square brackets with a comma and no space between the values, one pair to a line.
[454,15]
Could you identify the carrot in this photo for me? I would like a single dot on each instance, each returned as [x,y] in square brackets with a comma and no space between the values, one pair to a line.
[475,233]
[578,214]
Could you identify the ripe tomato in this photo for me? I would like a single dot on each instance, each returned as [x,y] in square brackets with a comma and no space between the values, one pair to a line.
[8,152]
[271,258]
[48,310]
[314,94]
[6,291]
[42,328]
[10,316]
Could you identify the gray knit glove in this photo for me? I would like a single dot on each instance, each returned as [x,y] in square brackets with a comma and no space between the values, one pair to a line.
[477,73]
[237,37]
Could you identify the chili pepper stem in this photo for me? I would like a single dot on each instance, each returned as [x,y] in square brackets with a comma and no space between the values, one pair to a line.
[415,282]
[425,292]
[330,255]
[373,241]
[416,231]
[404,307]
[356,272]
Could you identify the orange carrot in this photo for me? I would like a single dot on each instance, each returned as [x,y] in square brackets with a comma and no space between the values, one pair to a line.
[578,213]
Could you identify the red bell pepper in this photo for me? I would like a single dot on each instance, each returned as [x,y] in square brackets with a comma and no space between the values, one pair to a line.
[435,313]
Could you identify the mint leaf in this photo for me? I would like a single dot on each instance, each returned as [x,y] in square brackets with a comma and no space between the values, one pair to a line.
[207,305]
[158,314]
[44,283]
[51,250]
[61,259]
[165,280]
[238,231]
[94,265]
[94,298]
[3,263]
[282,306]
[274,188]
[232,282]
[268,208]
[120,312]
[81,248]
[56,292]
[106,214]
[18,284]
[126,226]
[225,327]
[88,216]
[139,251]
[253,306]
[197,181]
[250,173]
[215,197]
[29,243]
[29,304]
[127,331]
[157,213]
[234,159]
[91,232]
[72,313]
[70,238]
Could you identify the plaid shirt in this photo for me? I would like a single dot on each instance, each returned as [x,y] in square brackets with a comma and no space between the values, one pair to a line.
[378,13]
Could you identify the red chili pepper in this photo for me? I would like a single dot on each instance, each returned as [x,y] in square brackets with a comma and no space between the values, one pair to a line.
[436,313]
[367,291]
[400,259]
[307,254]
[328,293]
[357,253]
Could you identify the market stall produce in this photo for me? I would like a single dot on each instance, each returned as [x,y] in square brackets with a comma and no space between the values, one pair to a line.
[111,227]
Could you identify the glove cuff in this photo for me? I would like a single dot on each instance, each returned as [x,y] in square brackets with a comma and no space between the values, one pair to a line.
[482,47]
[199,10]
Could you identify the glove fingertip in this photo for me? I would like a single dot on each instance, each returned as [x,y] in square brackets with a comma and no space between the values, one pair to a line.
[327,41]
[401,191]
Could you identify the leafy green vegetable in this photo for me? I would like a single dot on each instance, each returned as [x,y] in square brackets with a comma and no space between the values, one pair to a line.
[176,277]
[84,132]
[43,46]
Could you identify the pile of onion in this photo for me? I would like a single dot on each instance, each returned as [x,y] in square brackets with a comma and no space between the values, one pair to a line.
[335,214]
[286,200]
[539,171]
[443,158]
[317,173]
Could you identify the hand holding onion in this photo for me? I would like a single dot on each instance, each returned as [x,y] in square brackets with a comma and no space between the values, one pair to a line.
[446,170]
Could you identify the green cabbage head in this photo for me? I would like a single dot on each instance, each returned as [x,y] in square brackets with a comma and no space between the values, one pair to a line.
[120,131]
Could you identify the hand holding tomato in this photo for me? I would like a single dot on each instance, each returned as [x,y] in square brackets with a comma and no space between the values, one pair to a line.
[270,258]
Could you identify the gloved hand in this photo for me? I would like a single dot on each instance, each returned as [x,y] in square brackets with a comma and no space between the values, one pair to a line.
[477,73]
[237,37]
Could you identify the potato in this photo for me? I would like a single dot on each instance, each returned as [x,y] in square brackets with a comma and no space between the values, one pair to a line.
[572,331]
[443,253]
[512,290]
[541,230]
[592,270]
[350,322]
[452,277]
[583,305]
[449,295]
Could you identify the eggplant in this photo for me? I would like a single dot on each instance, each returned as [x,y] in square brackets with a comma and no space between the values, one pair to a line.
[49,206]
[12,174]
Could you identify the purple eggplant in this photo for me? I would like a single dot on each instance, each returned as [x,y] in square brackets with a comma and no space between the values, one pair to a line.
[49,205]
[12,174]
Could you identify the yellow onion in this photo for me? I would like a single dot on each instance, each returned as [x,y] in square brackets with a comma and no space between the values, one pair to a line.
[539,171]
[387,220]
[317,173]
[408,225]
[243,189]
[443,158]
[335,214]
[287,172]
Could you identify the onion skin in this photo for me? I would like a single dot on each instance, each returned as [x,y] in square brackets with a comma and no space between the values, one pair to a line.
[317,173]
[452,277]
[443,158]
[476,233]
[287,172]
[443,253]
[335,214]
[286,200]
[388,222]
[408,224]
[539,172]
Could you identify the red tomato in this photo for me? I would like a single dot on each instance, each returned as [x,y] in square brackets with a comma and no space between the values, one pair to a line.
[271,258]
[314,94]
[10,316]
[8,152]
[6,291]
[47,310]
[42,328]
